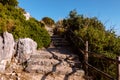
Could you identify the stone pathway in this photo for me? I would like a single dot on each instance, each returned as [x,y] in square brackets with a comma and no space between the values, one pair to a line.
[55,64]
[47,64]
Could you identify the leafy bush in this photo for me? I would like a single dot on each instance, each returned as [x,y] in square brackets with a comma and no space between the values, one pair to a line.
[92,30]
[13,21]
[48,21]
[9,2]
[101,41]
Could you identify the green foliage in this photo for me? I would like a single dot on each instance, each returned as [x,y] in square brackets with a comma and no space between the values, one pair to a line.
[96,38]
[13,21]
[37,33]
[77,22]
[101,41]
[9,2]
[48,21]
[92,30]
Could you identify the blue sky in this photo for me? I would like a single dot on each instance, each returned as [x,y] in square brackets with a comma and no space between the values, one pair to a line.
[107,11]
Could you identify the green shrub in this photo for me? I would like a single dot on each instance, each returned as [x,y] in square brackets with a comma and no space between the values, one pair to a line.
[101,41]
[48,21]
[13,21]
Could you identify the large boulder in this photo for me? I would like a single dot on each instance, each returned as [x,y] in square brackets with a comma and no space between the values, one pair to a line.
[6,49]
[24,48]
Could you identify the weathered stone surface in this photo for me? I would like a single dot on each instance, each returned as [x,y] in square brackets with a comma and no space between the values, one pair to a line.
[6,49]
[8,45]
[25,47]
[54,64]
[1,48]
[2,65]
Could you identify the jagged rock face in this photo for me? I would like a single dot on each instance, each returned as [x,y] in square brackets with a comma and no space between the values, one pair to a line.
[24,48]
[8,45]
[6,49]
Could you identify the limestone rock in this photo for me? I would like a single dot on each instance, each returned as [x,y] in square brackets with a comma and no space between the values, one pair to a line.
[27,15]
[6,49]
[25,47]
[3,65]
[1,48]
[8,45]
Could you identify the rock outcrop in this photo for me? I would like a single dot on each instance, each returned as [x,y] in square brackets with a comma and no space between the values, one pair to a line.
[24,48]
[6,49]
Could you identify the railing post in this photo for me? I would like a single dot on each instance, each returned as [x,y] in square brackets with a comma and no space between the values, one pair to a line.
[118,68]
[86,58]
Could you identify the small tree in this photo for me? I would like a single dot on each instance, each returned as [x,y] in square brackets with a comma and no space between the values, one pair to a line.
[48,21]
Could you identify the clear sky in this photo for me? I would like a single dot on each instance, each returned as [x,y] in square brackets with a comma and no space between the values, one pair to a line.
[107,11]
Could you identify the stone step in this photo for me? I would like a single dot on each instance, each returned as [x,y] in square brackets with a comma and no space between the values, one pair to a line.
[41,62]
[61,44]
[54,57]
[79,75]
[55,61]
[64,54]
[54,76]
[60,41]
[56,36]
[53,53]
[51,69]
[42,55]
[51,62]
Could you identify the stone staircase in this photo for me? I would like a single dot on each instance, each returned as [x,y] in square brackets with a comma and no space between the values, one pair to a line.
[59,41]
[55,64]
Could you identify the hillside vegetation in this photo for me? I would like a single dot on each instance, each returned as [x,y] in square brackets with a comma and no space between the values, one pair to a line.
[48,21]
[92,30]
[13,21]
[101,41]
